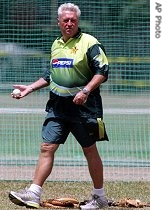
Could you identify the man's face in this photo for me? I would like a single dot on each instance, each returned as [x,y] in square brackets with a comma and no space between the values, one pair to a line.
[68,24]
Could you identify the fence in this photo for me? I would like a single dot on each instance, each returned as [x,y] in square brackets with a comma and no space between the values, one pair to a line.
[28,29]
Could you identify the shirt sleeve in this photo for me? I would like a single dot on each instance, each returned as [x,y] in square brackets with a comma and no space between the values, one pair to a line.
[46,74]
[98,61]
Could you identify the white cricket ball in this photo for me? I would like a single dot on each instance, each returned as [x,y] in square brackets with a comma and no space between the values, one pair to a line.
[16,92]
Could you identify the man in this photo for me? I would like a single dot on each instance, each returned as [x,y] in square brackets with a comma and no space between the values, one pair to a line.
[78,67]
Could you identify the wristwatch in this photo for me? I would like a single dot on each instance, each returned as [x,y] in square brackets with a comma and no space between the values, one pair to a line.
[85,91]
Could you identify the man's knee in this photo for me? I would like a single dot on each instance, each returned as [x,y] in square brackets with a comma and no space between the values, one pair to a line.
[46,147]
[90,150]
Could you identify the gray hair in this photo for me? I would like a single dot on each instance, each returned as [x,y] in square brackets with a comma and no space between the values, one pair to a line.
[69,7]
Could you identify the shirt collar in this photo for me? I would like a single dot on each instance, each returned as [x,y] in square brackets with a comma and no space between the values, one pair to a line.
[78,33]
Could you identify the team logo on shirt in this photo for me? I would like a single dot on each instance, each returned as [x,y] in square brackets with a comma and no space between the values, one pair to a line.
[74,50]
[62,63]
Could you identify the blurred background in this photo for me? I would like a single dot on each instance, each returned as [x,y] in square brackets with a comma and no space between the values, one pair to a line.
[27,30]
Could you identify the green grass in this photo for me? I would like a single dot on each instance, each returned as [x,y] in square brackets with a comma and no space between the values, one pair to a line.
[128,133]
[80,191]
[20,134]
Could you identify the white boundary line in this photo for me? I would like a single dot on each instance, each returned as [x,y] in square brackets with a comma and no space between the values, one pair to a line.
[42,111]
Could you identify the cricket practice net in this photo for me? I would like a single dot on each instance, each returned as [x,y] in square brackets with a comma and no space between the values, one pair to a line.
[28,29]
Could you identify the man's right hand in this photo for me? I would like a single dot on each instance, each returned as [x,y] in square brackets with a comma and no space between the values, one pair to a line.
[25,90]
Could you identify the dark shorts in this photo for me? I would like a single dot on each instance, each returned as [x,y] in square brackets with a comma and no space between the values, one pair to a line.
[86,130]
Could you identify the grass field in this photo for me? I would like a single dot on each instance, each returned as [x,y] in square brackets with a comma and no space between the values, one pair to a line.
[129,132]
[80,191]
[26,132]
[126,155]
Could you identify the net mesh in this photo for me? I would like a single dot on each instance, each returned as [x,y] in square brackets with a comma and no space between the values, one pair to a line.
[28,29]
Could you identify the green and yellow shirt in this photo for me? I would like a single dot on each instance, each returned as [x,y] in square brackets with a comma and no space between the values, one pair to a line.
[75,62]
[72,66]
